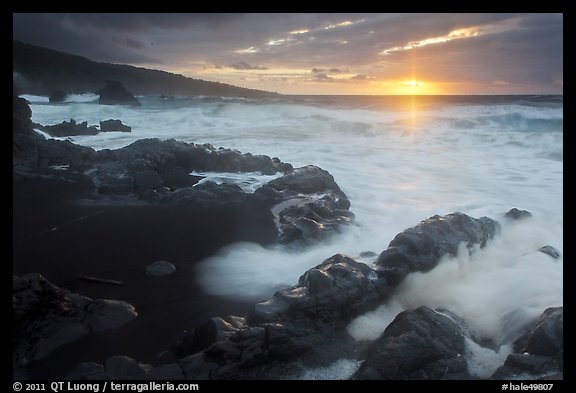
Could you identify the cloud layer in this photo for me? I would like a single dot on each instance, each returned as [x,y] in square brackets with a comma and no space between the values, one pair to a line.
[292,53]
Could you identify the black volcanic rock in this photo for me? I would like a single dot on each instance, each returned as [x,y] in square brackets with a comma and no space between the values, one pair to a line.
[70,128]
[540,352]
[324,210]
[547,337]
[307,180]
[517,214]
[57,96]
[25,140]
[421,344]
[421,247]
[46,317]
[114,125]
[549,250]
[116,94]
[338,288]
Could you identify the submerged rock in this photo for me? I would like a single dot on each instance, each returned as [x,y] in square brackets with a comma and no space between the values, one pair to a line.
[549,250]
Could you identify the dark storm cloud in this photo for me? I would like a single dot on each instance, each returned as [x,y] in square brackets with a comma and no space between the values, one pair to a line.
[59,32]
[134,44]
[242,65]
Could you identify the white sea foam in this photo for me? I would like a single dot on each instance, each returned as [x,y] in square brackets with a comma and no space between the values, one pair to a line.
[81,98]
[34,99]
[247,181]
[339,370]
[481,361]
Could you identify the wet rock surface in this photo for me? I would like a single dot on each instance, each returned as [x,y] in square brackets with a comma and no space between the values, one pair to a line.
[421,247]
[540,352]
[418,344]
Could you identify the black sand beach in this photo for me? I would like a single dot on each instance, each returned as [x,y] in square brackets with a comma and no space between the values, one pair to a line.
[118,242]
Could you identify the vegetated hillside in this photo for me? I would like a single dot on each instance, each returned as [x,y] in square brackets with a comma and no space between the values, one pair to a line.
[43,71]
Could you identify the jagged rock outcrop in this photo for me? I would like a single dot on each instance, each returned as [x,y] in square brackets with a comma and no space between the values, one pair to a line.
[114,125]
[339,288]
[517,214]
[114,93]
[420,248]
[70,128]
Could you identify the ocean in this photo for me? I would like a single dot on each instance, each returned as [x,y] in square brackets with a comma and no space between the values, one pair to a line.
[400,160]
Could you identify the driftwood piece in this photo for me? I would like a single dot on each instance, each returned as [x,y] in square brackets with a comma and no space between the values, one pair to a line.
[99,280]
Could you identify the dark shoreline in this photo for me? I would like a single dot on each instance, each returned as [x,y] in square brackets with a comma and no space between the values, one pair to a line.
[117,242]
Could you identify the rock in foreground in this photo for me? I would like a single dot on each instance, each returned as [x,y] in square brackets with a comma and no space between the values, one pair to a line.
[308,322]
[419,344]
[540,352]
[46,317]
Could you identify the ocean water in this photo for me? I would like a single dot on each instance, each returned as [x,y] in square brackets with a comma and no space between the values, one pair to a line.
[400,160]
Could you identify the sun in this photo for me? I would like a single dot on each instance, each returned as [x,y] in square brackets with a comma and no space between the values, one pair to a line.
[412,83]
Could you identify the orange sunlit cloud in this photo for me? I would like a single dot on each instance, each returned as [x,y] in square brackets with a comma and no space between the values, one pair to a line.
[458,34]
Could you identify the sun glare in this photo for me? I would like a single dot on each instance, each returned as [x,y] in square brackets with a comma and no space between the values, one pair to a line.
[413,87]
[412,83]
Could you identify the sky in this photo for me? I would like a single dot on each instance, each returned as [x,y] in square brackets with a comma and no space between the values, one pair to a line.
[323,53]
